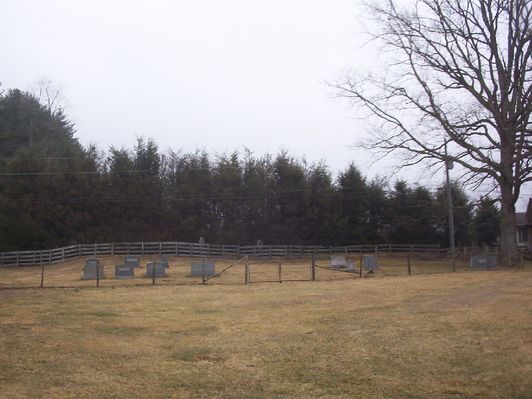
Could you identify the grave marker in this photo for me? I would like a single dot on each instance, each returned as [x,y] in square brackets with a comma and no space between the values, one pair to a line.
[131,260]
[203,268]
[89,270]
[338,262]
[124,271]
[370,263]
[164,259]
[483,262]
[160,269]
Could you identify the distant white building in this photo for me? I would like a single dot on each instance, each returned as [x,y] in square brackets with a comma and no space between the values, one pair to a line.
[524,227]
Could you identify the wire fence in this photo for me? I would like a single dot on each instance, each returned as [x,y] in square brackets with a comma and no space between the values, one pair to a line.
[226,271]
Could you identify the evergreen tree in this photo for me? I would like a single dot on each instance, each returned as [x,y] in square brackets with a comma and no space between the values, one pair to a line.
[486,222]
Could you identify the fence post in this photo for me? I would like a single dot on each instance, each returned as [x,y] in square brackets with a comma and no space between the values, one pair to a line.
[153,271]
[246,273]
[280,273]
[98,274]
[112,249]
[521,260]
[361,273]
[409,267]
[203,271]
[42,271]
[313,268]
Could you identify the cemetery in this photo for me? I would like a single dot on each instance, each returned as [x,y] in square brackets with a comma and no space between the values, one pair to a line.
[186,270]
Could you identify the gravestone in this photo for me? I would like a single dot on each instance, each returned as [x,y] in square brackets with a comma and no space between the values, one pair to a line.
[131,260]
[124,271]
[338,262]
[483,262]
[93,269]
[370,263]
[160,269]
[164,259]
[203,268]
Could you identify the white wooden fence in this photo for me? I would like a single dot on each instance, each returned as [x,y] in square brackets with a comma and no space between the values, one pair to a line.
[48,256]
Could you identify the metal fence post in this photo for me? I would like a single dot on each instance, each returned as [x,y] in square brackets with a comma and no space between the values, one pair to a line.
[42,271]
[153,271]
[97,274]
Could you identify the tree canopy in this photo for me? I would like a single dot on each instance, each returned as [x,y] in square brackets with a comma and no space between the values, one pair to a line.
[458,87]
[55,192]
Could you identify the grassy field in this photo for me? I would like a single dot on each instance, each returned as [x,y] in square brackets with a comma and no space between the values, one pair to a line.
[454,335]
[68,274]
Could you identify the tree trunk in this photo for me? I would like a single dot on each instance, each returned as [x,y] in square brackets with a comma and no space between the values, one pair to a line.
[509,249]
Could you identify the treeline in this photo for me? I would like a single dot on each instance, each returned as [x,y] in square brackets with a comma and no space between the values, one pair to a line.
[54,191]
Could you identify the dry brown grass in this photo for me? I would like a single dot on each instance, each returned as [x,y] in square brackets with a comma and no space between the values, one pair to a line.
[461,335]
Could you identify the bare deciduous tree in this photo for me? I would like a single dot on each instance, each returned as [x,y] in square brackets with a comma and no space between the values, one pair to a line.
[49,94]
[459,87]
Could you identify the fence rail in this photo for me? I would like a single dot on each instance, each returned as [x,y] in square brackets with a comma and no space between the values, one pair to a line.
[56,255]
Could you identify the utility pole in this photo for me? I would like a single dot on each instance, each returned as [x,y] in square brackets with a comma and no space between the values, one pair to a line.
[448,166]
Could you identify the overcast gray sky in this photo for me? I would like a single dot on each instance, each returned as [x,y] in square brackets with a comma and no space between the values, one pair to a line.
[218,75]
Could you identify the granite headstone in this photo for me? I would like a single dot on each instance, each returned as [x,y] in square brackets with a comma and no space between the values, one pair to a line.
[160,269]
[483,262]
[131,260]
[370,263]
[93,269]
[203,268]
[124,271]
